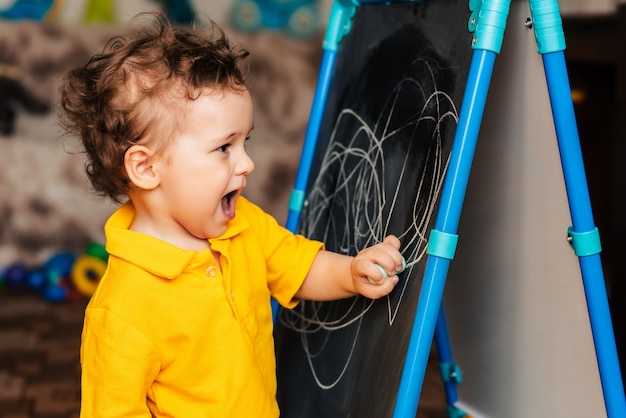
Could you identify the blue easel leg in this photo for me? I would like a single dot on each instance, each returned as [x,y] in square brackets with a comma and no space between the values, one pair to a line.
[310,138]
[445,356]
[308,148]
[452,196]
[449,371]
[582,219]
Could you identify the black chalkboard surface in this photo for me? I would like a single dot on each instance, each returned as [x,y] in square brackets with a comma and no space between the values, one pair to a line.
[378,169]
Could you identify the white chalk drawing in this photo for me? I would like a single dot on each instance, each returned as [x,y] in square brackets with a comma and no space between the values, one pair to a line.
[362,185]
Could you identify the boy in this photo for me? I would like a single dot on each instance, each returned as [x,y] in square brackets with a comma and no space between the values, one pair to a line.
[180,325]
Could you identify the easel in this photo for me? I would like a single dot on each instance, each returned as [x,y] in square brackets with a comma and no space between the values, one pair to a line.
[488,22]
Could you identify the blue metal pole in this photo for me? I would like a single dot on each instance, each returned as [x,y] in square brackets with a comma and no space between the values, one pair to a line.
[582,220]
[453,194]
[339,24]
[308,148]
[310,139]
[488,20]
[445,358]
[548,27]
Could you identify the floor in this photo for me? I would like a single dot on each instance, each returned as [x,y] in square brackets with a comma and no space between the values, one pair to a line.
[40,371]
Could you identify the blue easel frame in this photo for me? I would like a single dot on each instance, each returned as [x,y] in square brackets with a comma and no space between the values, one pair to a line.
[338,26]
[487,21]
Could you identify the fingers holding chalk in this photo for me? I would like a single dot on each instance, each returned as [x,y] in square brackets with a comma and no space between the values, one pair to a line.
[384,272]
[403,266]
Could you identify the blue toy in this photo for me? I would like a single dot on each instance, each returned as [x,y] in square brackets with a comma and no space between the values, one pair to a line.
[56,273]
[89,268]
[37,279]
[31,9]
[179,12]
[64,276]
[300,18]
[59,265]
[15,276]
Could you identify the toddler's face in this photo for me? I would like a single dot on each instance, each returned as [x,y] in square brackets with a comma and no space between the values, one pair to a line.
[206,167]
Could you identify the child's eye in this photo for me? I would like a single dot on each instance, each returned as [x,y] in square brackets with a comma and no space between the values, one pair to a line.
[223,148]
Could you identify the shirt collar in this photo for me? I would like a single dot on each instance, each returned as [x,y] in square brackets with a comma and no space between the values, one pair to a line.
[152,254]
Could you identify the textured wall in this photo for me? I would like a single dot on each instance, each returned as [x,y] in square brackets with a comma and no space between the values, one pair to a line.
[45,201]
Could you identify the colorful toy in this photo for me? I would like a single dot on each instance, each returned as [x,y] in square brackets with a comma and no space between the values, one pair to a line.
[89,268]
[100,11]
[56,272]
[300,18]
[15,276]
[32,9]
[64,276]
[37,279]
[179,12]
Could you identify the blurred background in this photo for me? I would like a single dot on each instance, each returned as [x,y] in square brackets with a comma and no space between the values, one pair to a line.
[49,219]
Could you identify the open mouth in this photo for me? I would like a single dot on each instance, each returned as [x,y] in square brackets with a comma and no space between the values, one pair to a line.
[228,204]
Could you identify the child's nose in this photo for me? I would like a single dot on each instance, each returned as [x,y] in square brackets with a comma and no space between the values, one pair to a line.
[246,165]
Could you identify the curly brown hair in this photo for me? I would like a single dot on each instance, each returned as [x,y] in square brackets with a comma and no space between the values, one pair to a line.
[133,89]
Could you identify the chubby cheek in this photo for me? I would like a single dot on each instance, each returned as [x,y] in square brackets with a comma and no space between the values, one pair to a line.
[206,223]
[216,232]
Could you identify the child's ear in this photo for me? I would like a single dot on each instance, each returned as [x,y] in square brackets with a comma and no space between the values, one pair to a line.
[139,166]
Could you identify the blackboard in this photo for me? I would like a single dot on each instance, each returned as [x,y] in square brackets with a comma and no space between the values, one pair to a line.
[378,169]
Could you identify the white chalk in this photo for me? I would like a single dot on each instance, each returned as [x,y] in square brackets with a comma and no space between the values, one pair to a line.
[384,273]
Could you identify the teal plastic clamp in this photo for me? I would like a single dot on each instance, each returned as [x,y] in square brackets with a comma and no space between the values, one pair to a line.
[339,23]
[548,26]
[296,200]
[487,21]
[474,6]
[584,243]
[442,244]
[450,372]
[456,412]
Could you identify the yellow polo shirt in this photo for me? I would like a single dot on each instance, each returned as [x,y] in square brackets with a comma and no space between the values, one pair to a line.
[167,334]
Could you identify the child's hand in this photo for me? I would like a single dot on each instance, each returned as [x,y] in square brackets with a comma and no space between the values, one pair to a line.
[368,278]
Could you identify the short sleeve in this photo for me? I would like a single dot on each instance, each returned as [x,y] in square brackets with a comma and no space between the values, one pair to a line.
[291,264]
[288,256]
[118,366]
